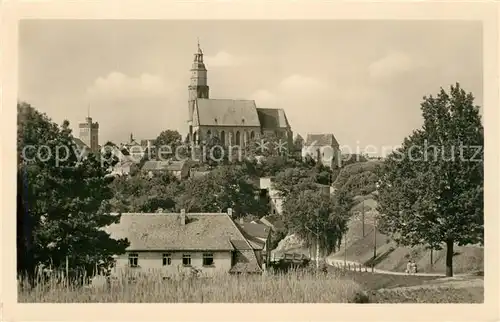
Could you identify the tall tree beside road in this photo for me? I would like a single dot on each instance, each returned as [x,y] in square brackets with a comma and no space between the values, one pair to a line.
[431,189]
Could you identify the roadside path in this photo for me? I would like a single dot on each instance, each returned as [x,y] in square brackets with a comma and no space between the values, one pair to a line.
[340,262]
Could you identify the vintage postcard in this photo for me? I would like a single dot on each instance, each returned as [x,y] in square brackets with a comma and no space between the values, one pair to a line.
[247,157]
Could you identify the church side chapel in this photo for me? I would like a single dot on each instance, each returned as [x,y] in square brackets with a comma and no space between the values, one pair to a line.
[233,122]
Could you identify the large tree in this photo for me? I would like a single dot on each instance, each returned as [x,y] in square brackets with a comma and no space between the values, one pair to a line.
[167,142]
[144,194]
[62,198]
[224,187]
[311,215]
[293,180]
[431,189]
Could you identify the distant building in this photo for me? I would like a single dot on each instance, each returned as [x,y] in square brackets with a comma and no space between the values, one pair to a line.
[125,163]
[149,147]
[83,149]
[179,169]
[197,174]
[135,149]
[322,148]
[275,200]
[176,243]
[232,122]
[274,222]
[89,134]
[324,189]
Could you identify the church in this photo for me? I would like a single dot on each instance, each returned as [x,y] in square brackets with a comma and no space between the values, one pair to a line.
[233,121]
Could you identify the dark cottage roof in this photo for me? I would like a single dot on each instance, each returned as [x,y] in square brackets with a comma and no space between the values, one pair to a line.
[164,231]
[255,229]
[246,262]
[272,118]
[273,220]
[255,242]
[152,165]
[226,112]
[321,140]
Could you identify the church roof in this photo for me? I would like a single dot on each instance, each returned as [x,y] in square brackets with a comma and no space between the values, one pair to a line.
[272,118]
[321,139]
[226,112]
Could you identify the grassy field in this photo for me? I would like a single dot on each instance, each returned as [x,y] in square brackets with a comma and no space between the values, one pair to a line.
[294,287]
[304,286]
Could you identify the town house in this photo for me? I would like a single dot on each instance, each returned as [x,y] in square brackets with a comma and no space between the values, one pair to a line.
[173,243]
[179,169]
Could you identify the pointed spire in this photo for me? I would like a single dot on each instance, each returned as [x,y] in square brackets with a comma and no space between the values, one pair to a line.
[199,48]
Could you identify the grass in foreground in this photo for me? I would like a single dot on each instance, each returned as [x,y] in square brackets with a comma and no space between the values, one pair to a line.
[429,295]
[294,287]
[302,286]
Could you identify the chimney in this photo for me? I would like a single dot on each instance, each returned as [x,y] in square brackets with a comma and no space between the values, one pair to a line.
[183,217]
[230,212]
[131,137]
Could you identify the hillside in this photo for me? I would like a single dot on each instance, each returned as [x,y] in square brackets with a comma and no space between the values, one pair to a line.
[392,257]
[359,178]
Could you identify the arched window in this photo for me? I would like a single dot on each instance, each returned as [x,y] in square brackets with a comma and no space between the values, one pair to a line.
[252,135]
[195,137]
[238,138]
[209,135]
[223,138]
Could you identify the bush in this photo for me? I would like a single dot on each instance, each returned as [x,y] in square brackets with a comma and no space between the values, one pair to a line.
[360,297]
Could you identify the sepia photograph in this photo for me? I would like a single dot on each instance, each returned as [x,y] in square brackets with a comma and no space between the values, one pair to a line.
[250,161]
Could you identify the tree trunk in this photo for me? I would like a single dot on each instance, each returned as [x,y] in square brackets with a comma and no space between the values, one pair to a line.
[449,258]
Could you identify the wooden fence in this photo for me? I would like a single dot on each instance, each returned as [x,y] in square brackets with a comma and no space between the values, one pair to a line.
[289,257]
[352,267]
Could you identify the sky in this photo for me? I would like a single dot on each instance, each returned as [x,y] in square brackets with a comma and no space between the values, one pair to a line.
[361,80]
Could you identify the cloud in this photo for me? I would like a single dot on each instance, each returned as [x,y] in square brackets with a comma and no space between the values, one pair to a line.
[120,86]
[222,59]
[293,88]
[392,64]
[300,83]
[263,96]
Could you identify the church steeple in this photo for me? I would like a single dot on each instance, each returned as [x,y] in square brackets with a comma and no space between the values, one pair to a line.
[198,87]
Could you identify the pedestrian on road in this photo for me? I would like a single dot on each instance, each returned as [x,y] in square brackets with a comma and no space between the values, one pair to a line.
[408,267]
[413,267]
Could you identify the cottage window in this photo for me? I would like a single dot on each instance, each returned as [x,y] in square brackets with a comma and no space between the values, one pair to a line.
[208,259]
[167,259]
[133,260]
[186,260]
